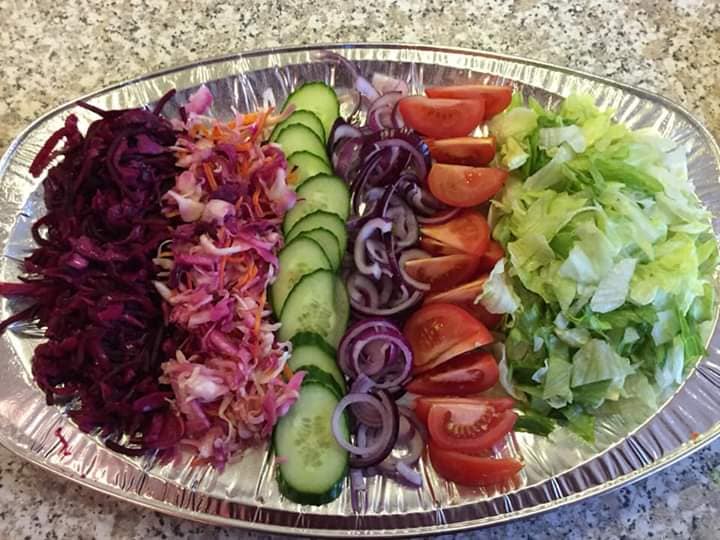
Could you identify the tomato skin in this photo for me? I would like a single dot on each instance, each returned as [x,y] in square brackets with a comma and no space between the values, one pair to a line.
[433,247]
[468,232]
[467,428]
[422,404]
[496,98]
[436,328]
[478,339]
[441,118]
[458,185]
[464,297]
[468,374]
[444,272]
[474,151]
[493,253]
[472,471]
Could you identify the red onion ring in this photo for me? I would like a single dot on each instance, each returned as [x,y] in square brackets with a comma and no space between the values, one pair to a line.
[380,447]
[439,218]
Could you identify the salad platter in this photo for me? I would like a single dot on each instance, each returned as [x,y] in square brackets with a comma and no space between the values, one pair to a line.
[360,289]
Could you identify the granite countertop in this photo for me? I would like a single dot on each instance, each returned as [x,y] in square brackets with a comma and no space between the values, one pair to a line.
[52,51]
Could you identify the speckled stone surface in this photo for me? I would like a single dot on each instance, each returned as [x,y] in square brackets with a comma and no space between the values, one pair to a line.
[52,51]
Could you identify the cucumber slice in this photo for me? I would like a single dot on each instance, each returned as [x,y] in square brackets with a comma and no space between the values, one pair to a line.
[306,118]
[321,192]
[319,98]
[298,138]
[311,351]
[328,243]
[324,220]
[318,303]
[315,374]
[315,465]
[308,165]
[300,257]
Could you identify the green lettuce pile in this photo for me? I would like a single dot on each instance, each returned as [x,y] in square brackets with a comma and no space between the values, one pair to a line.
[608,282]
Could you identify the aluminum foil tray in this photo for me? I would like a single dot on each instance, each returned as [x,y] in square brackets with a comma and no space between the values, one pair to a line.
[559,470]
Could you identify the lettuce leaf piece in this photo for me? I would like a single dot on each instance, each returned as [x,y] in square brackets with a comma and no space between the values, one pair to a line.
[614,287]
[597,361]
[516,123]
[535,423]
[573,136]
[580,422]
[497,295]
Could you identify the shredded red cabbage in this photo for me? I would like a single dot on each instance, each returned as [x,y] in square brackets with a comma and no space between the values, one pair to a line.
[89,281]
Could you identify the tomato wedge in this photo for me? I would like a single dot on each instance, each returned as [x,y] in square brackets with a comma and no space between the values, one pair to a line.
[468,428]
[464,296]
[441,118]
[472,471]
[422,404]
[478,339]
[436,328]
[493,253]
[458,185]
[496,98]
[434,247]
[475,151]
[443,272]
[468,374]
[468,232]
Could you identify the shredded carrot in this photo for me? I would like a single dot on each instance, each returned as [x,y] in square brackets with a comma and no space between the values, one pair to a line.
[221,271]
[256,203]
[249,118]
[210,176]
[287,372]
[293,176]
[249,275]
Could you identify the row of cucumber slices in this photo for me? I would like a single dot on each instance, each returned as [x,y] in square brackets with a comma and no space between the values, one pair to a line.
[311,301]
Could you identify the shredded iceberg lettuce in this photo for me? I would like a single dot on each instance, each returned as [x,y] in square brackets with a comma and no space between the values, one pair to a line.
[611,256]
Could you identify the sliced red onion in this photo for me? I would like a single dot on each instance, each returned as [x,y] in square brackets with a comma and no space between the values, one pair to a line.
[386,290]
[405,224]
[379,446]
[362,290]
[381,111]
[373,269]
[410,475]
[411,255]
[417,157]
[344,353]
[384,84]
[390,311]
[358,487]
[377,251]
[360,82]
[404,364]
[440,217]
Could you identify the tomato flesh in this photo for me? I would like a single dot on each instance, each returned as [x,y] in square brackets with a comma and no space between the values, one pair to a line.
[458,185]
[436,328]
[493,253]
[468,428]
[464,296]
[441,118]
[472,471]
[469,232]
[422,404]
[495,98]
[475,151]
[443,273]
[469,374]
[478,339]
